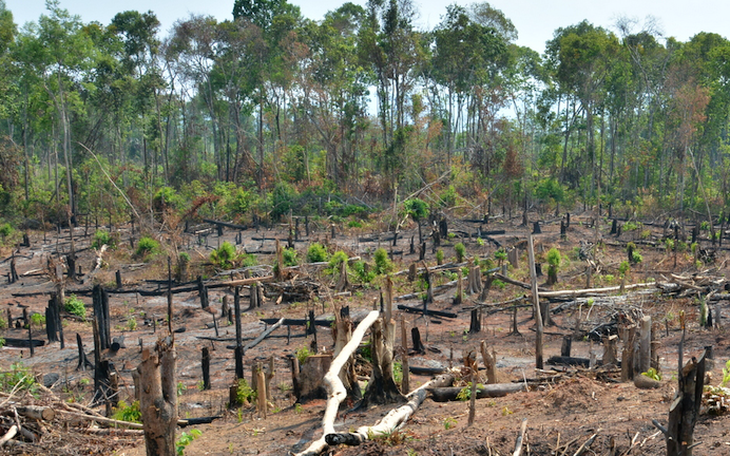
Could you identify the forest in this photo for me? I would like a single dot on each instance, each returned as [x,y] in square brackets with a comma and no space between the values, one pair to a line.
[272,112]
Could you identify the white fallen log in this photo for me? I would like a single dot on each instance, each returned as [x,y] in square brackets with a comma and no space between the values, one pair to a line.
[590,291]
[394,420]
[335,388]
[12,432]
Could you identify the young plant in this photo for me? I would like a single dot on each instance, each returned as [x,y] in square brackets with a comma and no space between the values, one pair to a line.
[553,259]
[147,247]
[185,440]
[460,251]
[75,306]
[317,253]
[383,264]
[224,257]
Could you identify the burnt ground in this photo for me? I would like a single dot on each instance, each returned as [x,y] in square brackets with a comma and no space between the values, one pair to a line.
[563,409]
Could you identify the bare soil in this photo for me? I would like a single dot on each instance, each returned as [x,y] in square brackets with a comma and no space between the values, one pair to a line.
[562,411]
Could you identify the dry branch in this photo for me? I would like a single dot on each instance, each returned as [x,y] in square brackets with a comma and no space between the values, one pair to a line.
[335,389]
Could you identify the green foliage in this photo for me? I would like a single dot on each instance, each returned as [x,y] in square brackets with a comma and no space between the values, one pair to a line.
[225,256]
[2,342]
[363,273]
[5,231]
[398,372]
[130,413]
[291,258]
[18,378]
[132,324]
[244,393]
[186,439]
[103,237]
[147,247]
[548,189]
[37,319]
[439,256]
[460,251]
[283,199]
[335,261]
[383,265]
[317,253]
[4,322]
[726,374]
[75,306]
[500,255]
[653,374]
[416,208]
[449,423]
[302,354]
[631,226]
[553,258]
[624,268]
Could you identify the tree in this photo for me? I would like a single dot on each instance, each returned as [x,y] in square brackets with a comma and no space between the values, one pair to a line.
[418,210]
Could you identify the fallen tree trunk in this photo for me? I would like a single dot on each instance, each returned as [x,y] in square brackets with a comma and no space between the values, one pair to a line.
[590,291]
[435,313]
[494,390]
[335,389]
[263,335]
[394,419]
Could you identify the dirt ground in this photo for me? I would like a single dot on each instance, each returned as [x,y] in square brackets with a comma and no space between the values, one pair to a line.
[564,406]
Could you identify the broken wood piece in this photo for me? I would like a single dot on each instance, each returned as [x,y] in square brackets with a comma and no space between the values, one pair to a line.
[36,412]
[445,394]
[520,438]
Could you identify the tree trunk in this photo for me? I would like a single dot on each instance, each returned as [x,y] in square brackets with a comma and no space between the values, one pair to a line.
[158,398]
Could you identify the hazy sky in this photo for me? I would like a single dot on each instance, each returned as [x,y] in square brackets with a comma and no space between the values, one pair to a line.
[536,20]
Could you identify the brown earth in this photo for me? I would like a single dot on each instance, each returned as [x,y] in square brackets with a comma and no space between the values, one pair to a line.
[562,411]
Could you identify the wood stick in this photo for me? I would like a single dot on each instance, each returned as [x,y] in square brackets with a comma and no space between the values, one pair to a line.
[520,438]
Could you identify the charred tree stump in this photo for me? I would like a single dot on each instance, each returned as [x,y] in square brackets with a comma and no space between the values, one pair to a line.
[685,409]
[422,252]
[13,272]
[158,398]
[118,277]
[567,220]
[418,347]
[83,359]
[627,354]
[412,248]
[459,288]
[238,352]
[515,331]
[412,272]
[536,228]
[475,325]
[614,227]
[513,256]
[566,346]
[563,230]
[101,317]
[203,293]
[206,368]
[51,322]
[609,350]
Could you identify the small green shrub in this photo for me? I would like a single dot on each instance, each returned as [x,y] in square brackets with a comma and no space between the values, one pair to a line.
[460,251]
[6,230]
[335,261]
[130,413]
[553,259]
[290,257]
[37,319]
[244,393]
[19,378]
[186,439]
[726,374]
[363,273]
[624,268]
[317,253]
[75,306]
[4,322]
[439,257]
[302,354]
[102,238]
[225,256]
[653,374]
[383,264]
[500,255]
[2,342]
[147,247]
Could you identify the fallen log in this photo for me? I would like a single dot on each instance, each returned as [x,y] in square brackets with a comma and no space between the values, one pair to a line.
[335,388]
[517,283]
[263,335]
[23,343]
[393,419]
[446,394]
[420,310]
[591,291]
[420,370]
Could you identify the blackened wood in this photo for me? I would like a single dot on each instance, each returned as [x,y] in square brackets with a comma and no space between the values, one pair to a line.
[203,293]
[118,276]
[83,359]
[101,316]
[566,346]
[475,324]
[416,339]
[536,228]
[23,343]
[206,368]
[436,313]
[238,353]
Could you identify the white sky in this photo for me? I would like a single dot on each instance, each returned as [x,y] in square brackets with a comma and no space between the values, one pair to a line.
[536,20]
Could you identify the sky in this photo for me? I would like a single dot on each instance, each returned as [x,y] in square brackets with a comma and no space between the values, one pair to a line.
[535,20]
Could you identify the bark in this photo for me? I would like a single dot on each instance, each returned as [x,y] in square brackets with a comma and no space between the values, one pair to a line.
[158,398]
[495,390]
